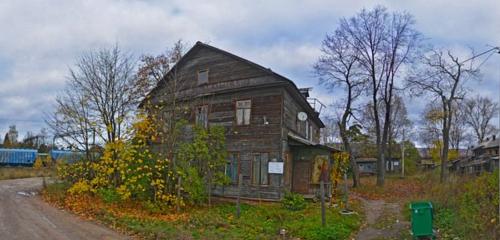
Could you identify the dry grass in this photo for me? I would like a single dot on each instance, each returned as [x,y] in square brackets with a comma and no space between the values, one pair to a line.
[24,172]
[396,189]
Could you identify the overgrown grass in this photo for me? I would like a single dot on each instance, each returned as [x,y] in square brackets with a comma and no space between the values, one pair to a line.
[24,172]
[465,207]
[262,221]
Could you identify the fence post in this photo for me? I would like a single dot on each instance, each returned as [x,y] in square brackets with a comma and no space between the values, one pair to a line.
[238,210]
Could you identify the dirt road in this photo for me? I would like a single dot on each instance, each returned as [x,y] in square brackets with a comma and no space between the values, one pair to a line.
[24,216]
[383,221]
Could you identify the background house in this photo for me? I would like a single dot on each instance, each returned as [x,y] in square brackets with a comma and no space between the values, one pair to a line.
[484,158]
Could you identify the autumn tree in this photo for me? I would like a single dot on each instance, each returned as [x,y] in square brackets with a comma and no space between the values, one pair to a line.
[384,44]
[339,67]
[164,107]
[477,113]
[442,75]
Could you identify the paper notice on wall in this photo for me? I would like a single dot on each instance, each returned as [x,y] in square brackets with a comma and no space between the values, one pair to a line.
[276,167]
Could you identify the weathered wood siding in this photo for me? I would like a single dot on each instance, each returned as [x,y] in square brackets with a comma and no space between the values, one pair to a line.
[291,123]
[247,140]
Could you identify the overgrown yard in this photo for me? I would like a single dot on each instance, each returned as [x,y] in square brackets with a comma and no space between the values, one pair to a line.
[257,221]
[466,207]
[24,172]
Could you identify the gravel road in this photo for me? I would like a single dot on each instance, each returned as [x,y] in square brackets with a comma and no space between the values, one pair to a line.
[24,216]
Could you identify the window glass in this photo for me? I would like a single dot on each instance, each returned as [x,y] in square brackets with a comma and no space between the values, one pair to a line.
[260,168]
[256,169]
[232,167]
[243,112]
[202,76]
[202,115]
[264,159]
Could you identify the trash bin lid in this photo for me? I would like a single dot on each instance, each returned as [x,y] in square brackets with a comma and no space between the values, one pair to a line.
[421,205]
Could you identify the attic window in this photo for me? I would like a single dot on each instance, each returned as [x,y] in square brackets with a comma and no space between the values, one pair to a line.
[202,76]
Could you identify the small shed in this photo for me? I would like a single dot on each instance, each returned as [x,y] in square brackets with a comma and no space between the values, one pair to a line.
[367,166]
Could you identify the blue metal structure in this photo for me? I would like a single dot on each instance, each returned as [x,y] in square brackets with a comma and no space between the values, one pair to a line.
[27,157]
[16,157]
[67,156]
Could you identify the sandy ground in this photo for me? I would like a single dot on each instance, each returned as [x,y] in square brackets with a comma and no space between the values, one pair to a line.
[23,215]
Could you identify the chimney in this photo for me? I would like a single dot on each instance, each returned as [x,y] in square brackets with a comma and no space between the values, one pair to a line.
[305,92]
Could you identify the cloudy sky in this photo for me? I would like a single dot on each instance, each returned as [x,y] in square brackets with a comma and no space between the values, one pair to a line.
[40,40]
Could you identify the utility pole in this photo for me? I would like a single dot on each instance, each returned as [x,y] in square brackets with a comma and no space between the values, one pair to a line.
[498,220]
[403,155]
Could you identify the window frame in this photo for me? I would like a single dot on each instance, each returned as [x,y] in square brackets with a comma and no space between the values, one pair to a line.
[205,123]
[198,76]
[238,168]
[243,116]
[260,168]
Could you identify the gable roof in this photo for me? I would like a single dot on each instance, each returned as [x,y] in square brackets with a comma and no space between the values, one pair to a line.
[293,89]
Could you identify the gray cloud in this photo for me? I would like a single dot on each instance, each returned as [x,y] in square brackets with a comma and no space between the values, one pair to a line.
[41,39]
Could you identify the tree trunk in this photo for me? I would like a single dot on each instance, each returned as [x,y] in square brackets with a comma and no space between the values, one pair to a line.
[352,162]
[446,139]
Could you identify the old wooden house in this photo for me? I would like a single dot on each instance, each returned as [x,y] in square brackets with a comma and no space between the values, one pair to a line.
[484,158]
[272,126]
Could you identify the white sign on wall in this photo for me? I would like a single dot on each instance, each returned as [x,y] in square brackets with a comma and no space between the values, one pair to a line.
[276,167]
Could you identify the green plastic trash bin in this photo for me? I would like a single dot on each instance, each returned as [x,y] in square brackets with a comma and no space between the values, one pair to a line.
[421,219]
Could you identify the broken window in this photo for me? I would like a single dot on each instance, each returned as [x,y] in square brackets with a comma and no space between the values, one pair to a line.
[202,115]
[203,77]
[243,110]
[259,169]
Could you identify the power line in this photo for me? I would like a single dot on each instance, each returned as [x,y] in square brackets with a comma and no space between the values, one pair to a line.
[467,60]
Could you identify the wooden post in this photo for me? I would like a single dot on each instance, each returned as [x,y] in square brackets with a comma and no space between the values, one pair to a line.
[238,209]
[322,197]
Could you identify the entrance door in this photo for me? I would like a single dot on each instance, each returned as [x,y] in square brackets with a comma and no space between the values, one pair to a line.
[301,177]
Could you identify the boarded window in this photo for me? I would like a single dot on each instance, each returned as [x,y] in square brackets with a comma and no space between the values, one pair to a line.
[232,167]
[243,111]
[202,115]
[260,168]
[203,77]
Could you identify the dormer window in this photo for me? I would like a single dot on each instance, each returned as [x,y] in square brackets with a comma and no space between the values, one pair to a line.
[203,76]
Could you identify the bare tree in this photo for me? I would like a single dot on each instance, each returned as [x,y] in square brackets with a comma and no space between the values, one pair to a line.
[101,96]
[477,113]
[399,121]
[458,127]
[338,66]
[153,69]
[443,76]
[72,121]
[384,43]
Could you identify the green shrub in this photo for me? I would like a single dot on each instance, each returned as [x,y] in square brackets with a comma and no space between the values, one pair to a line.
[294,201]
[57,191]
[109,195]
